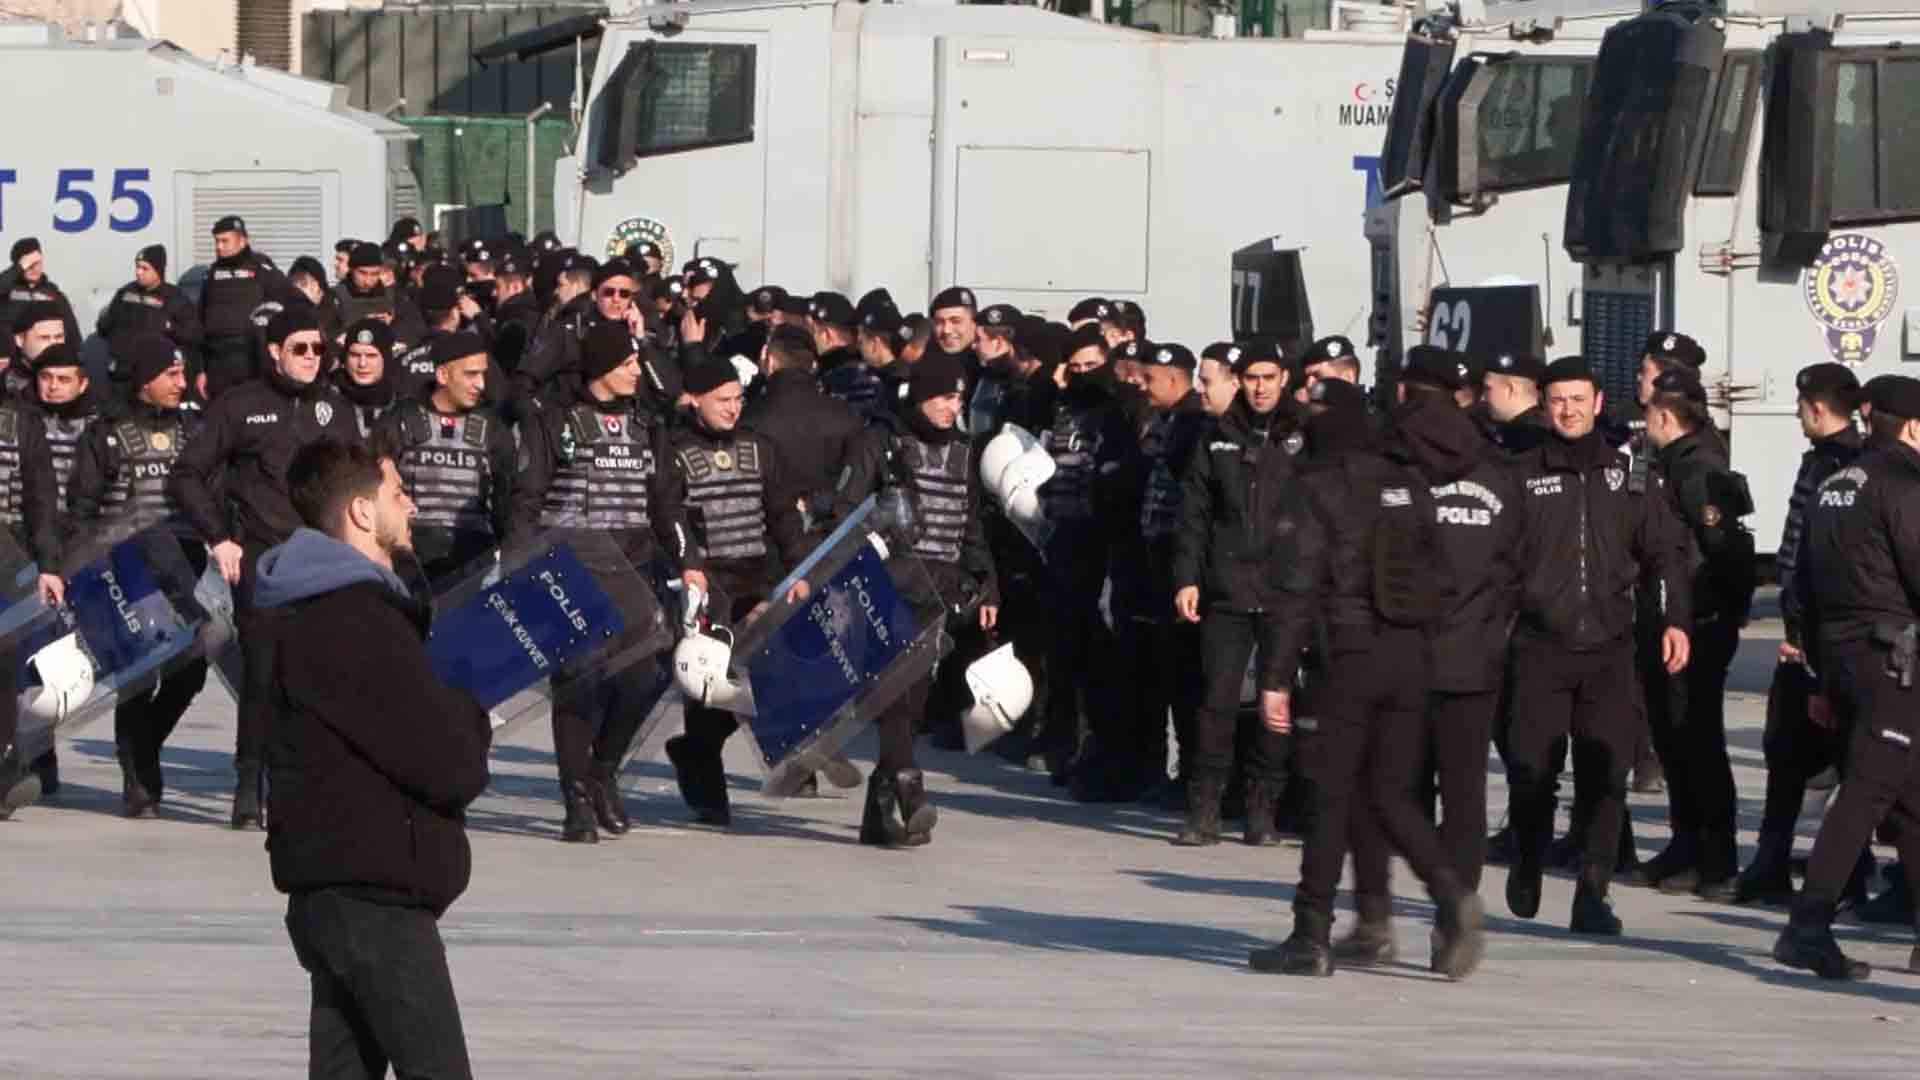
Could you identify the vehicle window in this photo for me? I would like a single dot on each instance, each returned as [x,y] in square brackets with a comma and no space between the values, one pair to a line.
[1876,134]
[671,96]
[1855,164]
[1897,108]
[1528,123]
[1725,158]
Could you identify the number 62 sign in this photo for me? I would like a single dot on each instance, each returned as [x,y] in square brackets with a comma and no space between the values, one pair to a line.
[1487,321]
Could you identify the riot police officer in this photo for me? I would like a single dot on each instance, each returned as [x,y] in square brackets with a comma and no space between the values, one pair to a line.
[1590,537]
[554,346]
[920,452]
[37,327]
[25,281]
[1855,578]
[516,313]
[455,457]
[230,482]
[1710,499]
[366,293]
[815,435]
[1328,358]
[149,304]
[1510,398]
[120,476]
[836,337]
[239,281]
[30,511]
[1242,465]
[364,376]
[883,333]
[598,462]
[747,533]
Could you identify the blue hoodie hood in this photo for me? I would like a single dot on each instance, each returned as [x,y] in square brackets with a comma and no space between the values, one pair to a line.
[311,563]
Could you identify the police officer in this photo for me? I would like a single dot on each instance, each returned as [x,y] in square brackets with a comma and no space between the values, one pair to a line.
[516,313]
[1355,556]
[1328,358]
[597,462]
[999,366]
[239,280]
[1590,536]
[1855,575]
[120,477]
[1122,321]
[883,333]
[62,390]
[647,255]
[30,510]
[25,282]
[1510,399]
[1710,499]
[816,436]
[37,327]
[230,482]
[364,377]
[1477,511]
[555,343]
[747,533]
[953,326]
[764,305]
[920,452]
[455,457]
[441,311]
[148,304]
[409,232]
[367,293]
[1240,470]
[1795,747]
[1214,381]
[836,337]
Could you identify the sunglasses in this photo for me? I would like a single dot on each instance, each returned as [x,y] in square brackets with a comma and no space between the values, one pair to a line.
[304,348]
[622,294]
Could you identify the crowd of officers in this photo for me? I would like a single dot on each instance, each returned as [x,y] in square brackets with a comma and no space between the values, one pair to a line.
[1486,553]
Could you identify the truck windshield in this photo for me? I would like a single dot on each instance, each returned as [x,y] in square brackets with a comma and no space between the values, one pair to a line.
[1527,121]
[670,96]
[1876,135]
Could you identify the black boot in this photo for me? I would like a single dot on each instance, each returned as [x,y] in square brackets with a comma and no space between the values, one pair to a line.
[1203,812]
[1807,943]
[1530,835]
[1370,942]
[1262,798]
[1500,847]
[246,796]
[703,781]
[577,797]
[604,793]
[1894,905]
[18,785]
[47,768]
[1459,935]
[1306,952]
[1682,854]
[880,825]
[1591,912]
[1768,878]
[916,809]
[135,800]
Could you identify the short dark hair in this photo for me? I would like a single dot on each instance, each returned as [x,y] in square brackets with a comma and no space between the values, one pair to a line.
[792,346]
[325,476]
[1838,400]
[1348,362]
[1883,426]
[1692,413]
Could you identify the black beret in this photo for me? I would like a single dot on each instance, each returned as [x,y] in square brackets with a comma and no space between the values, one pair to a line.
[230,223]
[1093,307]
[767,299]
[608,345]
[64,354]
[365,256]
[578,262]
[438,293]
[1827,378]
[710,374]
[882,319]
[833,309]
[1519,365]
[22,248]
[292,321]
[34,312]
[954,297]
[1335,347]
[450,347]
[1683,381]
[1173,356]
[1134,350]
[1569,369]
[873,300]
[1255,351]
[614,268]
[155,255]
[1667,346]
[791,339]
[640,249]
[1217,352]
[1337,394]
[372,332]
[937,373]
[700,271]
[545,240]
[1444,368]
[1895,395]
[405,229]
[1000,316]
[150,356]
[1086,337]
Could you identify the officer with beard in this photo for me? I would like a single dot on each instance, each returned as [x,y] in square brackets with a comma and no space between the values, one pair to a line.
[747,534]
[239,281]
[363,378]
[25,282]
[1240,469]
[1089,430]
[148,304]
[456,461]
[230,482]
[120,478]
[920,451]
[1590,539]
[836,337]
[598,462]
[816,436]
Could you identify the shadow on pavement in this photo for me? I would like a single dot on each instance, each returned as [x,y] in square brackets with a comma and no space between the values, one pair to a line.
[1093,934]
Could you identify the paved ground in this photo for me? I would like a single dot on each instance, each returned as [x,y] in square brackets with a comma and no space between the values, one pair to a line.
[1034,938]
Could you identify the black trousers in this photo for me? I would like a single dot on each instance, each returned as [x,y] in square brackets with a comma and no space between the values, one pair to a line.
[595,716]
[707,730]
[1227,641]
[1881,775]
[1363,752]
[1689,724]
[1447,739]
[256,628]
[1559,692]
[142,724]
[382,994]
[1796,748]
[1079,645]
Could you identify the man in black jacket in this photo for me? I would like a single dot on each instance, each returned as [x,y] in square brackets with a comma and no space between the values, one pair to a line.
[1795,747]
[374,762]
[1229,506]
[29,531]
[1591,536]
[149,304]
[25,281]
[836,338]
[231,484]
[239,281]
[816,435]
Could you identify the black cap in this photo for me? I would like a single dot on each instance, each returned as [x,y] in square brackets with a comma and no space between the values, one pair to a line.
[1444,368]
[937,373]
[22,248]
[1682,381]
[1569,369]
[64,354]
[476,251]
[34,312]
[661,288]
[1086,337]
[365,256]
[437,293]
[1173,356]
[1133,349]
[512,261]
[578,262]
[1671,348]
[1255,351]
[767,299]
[710,374]
[614,268]
[833,309]
[954,297]
[1128,314]
[1093,307]
[405,229]
[149,356]
[701,271]
[544,241]
[450,347]
[1337,394]
[1895,395]
[640,249]
[290,321]
[796,307]
[1336,347]
[155,255]
[230,223]
[1217,352]
[1000,317]
[1827,378]
[882,319]
[873,300]
[397,253]
[374,332]
[608,344]
[1519,365]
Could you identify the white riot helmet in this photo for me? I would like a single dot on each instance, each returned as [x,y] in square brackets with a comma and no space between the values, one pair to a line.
[66,680]
[1002,689]
[1001,451]
[700,668]
[745,368]
[1013,465]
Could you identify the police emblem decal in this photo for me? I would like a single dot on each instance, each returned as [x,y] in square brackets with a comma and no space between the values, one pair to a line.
[160,440]
[1615,478]
[635,229]
[323,412]
[722,460]
[1851,289]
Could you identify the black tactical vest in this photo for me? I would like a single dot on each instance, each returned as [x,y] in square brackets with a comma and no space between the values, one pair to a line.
[726,493]
[12,489]
[446,469]
[939,477]
[148,451]
[606,464]
[353,307]
[1073,441]
[1160,508]
[229,297]
[63,439]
